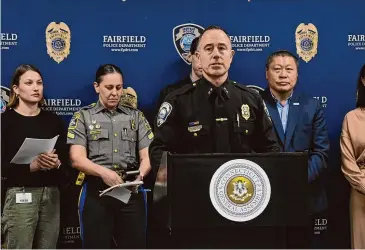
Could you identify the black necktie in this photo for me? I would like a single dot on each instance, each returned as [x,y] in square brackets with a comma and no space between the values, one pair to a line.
[221,124]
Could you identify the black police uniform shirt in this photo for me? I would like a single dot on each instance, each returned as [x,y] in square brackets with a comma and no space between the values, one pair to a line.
[202,118]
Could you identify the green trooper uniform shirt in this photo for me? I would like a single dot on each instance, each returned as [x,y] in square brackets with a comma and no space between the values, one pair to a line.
[112,138]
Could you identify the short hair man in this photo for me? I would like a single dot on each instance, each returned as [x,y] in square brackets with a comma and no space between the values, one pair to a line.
[300,126]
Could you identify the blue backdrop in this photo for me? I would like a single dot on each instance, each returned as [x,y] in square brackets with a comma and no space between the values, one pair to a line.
[330,75]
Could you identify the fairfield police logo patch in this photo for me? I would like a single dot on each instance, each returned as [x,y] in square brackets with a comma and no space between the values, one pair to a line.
[240,190]
[183,35]
[306,39]
[163,113]
[58,41]
[5,97]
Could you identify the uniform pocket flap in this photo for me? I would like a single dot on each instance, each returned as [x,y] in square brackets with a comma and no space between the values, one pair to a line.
[97,134]
[245,127]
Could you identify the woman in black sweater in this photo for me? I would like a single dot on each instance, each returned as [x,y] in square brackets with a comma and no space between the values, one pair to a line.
[31,212]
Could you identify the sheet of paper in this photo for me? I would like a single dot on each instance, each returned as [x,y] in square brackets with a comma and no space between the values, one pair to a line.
[121,194]
[31,148]
[127,184]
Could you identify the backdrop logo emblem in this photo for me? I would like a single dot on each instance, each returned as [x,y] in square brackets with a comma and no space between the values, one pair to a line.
[240,190]
[183,35]
[306,38]
[5,97]
[129,98]
[58,41]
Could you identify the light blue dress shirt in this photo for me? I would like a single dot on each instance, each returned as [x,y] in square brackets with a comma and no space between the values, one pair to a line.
[283,110]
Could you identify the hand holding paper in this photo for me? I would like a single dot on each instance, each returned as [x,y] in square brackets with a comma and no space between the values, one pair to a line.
[110,177]
[127,184]
[49,161]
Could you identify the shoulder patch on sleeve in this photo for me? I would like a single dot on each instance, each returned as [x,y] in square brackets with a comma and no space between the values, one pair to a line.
[245,88]
[73,121]
[150,135]
[144,120]
[70,135]
[163,113]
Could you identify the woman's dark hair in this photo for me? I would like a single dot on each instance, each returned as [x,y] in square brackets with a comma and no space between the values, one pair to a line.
[360,99]
[106,69]
[19,71]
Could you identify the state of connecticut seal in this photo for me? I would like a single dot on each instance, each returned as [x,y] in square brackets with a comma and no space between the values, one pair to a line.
[240,190]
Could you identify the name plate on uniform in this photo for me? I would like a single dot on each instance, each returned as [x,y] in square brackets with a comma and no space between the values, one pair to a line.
[22,198]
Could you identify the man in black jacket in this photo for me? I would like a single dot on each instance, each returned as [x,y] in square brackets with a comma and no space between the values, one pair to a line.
[213,114]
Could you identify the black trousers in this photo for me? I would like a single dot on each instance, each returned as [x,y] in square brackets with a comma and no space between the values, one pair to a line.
[105,220]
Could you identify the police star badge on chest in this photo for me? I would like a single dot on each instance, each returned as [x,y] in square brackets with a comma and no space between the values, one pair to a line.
[245,111]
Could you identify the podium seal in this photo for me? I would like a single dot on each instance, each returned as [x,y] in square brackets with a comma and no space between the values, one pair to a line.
[240,190]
